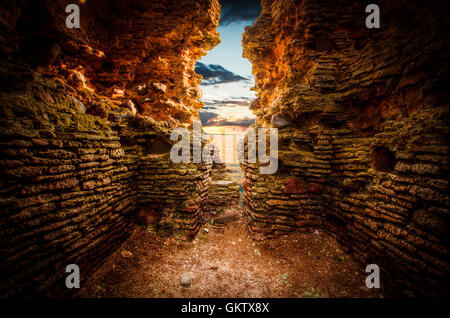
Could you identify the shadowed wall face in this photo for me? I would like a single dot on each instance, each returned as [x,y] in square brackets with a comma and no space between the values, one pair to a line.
[365,153]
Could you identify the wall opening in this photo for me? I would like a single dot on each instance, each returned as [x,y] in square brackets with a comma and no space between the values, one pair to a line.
[226,86]
[383,159]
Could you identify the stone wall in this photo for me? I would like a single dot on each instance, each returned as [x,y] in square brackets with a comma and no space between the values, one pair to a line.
[84,147]
[140,54]
[223,193]
[292,198]
[363,127]
[71,187]
[177,191]
[86,117]
[66,191]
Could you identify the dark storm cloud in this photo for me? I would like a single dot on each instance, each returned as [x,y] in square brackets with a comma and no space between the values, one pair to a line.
[239,10]
[216,74]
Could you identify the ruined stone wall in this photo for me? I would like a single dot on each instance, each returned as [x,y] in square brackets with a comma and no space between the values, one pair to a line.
[223,192]
[177,191]
[139,54]
[66,191]
[363,125]
[72,185]
[80,154]
[292,198]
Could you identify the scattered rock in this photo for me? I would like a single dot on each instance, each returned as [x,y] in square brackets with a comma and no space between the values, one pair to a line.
[213,266]
[280,121]
[185,280]
[126,254]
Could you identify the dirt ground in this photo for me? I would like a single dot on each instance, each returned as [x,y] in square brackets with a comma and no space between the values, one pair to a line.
[226,262]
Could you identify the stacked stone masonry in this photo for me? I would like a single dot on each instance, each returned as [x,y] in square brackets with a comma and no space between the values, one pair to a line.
[86,116]
[223,193]
[363,132]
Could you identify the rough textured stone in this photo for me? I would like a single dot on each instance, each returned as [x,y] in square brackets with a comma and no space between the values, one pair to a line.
[223,193]
[185,280]
[144,51]
[279,121]
[366,158]
[84,132]
[295,186]
[430,222]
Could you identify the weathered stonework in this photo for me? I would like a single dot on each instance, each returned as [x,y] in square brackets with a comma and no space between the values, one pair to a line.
[84,150]
[86,117]
[139,54]
[223,193]
[178,192]
[363,132]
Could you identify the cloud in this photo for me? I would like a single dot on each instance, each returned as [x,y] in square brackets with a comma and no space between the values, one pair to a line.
[216,74]
[229,103]
[206,116]
[227,112]
[222,121]
[239,11]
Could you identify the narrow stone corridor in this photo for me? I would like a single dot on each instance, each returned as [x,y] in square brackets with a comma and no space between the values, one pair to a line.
[105,167]
[228,262]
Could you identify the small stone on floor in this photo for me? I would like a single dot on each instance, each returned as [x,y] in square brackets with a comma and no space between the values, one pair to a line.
[126,254]
[185,280]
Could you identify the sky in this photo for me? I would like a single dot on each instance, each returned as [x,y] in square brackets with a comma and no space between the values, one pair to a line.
[229,52]
[227,77]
